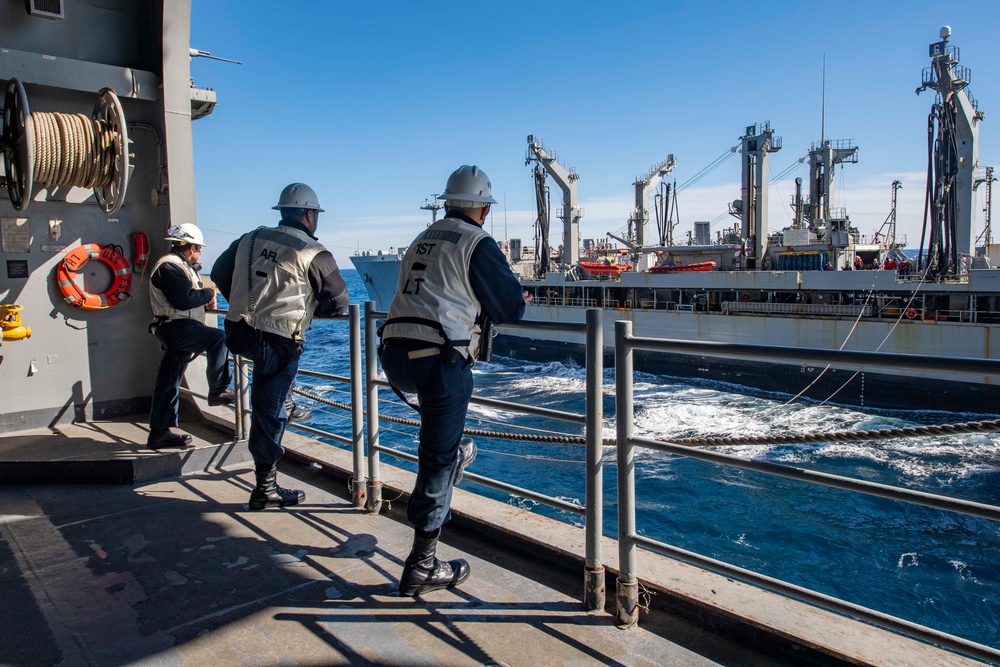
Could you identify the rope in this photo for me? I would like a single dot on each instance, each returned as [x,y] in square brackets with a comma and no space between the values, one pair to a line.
[72,149]
[848,436]
[868,297]
[992,426]
[550,439]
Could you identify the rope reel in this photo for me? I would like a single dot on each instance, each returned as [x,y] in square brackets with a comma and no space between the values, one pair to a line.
[61,149]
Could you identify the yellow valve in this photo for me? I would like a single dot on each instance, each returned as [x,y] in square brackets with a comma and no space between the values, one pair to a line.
[10,323]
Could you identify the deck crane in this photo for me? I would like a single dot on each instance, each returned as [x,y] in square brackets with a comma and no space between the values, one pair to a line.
[570,213]
[758,142]
[644,186]
[952,163]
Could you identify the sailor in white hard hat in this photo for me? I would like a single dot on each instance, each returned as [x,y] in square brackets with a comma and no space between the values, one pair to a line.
[179,299]
[453,282]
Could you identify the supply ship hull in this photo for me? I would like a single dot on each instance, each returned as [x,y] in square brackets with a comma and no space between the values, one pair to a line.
[800,314]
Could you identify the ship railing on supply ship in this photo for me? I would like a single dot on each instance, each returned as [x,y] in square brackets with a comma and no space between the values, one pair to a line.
[558,300]
[629,538]
[852,310]
[879,238]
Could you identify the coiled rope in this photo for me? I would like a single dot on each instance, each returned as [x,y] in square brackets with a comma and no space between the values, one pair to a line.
[73,149]
[991,426]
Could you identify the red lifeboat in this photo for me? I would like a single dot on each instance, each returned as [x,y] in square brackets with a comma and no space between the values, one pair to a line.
[680,268]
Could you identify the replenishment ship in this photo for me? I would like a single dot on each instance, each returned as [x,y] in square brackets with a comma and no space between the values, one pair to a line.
[820,283]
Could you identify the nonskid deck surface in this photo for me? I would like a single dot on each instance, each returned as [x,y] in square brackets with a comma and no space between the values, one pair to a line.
[112,451]
[180,572]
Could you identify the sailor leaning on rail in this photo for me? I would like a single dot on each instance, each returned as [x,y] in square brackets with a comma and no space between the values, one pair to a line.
[452,276]
[276,279]
[179,299]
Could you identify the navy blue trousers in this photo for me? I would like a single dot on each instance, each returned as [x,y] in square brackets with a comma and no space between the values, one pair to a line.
[274,370]
[443,393]
[182,340]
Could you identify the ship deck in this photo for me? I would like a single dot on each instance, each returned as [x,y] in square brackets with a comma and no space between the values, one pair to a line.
[178,571]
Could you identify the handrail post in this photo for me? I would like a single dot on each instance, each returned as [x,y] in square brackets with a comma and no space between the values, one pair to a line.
[357,407]
[593,574]
[628,585]
[242,394]
[374,503]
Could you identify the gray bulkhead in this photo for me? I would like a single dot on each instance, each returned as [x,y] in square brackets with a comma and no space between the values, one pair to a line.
[93,364]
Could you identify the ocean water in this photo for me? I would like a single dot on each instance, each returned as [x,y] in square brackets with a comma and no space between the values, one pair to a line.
[924,565]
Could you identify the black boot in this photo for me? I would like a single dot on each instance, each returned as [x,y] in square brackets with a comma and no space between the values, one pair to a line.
[268,493]
[423,573]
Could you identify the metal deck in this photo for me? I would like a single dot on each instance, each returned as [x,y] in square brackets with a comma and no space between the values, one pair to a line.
[179,572]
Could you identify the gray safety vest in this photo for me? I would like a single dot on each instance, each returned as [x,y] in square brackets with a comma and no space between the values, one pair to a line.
[163,311]
[434,294]
[278,272]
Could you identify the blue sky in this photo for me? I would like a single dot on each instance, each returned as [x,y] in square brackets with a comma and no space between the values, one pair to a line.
[373,104]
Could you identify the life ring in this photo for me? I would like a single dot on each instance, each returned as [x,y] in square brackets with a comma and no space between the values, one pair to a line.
[911,314]
[76,258]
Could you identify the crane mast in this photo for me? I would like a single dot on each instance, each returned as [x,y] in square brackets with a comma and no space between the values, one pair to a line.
[954,158]
[570,213]
[757,143]
[644,186]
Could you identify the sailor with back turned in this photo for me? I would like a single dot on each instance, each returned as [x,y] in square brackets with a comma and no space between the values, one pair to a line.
[453,281]
[276,279]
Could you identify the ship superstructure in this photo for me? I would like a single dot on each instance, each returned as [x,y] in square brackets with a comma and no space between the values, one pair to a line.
[97,164]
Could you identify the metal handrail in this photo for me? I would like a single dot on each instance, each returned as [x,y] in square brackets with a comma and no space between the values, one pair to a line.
[629,539]
[367,488]
[592,419]
[356,440]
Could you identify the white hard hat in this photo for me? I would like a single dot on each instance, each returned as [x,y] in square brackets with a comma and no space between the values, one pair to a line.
[468,187]
[298,195]
[186,233]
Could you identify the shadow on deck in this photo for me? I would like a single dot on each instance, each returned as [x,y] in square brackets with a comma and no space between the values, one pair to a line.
[178,571]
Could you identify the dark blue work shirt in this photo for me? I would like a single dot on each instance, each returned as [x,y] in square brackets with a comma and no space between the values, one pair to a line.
[176,286]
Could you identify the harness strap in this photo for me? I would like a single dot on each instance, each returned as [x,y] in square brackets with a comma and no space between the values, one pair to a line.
[445,349]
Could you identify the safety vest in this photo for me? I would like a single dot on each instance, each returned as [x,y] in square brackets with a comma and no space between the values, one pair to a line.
[283,299]
[434,293]
[162,308]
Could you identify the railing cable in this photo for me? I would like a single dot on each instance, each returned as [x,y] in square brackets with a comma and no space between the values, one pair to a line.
[991,426]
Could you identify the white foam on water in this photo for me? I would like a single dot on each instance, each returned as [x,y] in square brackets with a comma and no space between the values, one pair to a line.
[963,571]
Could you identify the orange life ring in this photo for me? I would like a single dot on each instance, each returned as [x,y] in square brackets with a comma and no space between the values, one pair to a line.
[911,314]
[76,258]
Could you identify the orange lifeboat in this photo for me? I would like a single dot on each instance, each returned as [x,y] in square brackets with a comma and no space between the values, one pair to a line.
[602,269]
[698,266]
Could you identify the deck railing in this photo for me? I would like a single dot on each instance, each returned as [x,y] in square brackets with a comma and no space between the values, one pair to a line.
[367,483]
[629,538]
